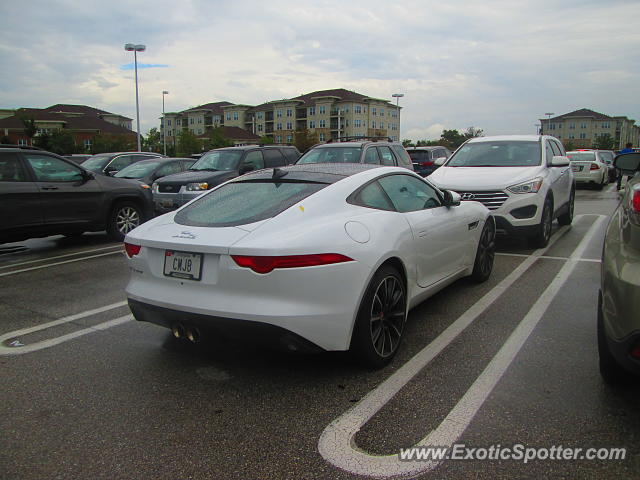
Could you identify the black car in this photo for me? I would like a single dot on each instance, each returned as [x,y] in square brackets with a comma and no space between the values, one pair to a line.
[424,158]
[216,167]
[112,163]
[148,171]
[43,194]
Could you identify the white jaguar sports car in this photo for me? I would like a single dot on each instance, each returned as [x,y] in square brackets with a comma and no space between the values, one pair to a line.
[307,257]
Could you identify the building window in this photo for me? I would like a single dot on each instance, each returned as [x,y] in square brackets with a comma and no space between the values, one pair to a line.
[289,138]
[583,125]
[87,143]
[228,116]
[278,113]
[559,126]
[191,121]
[373,124]
[278,126]
[22,142]
[278,139]
[381,124]
[199,131]
[357,109]
[289,126]
[312,124]
[259,127]
[323,109]
[357,123]
[312,110]
[289,112]
[235,115]
[382,112]
[323,123]
[199,119]
[572,126]
[583,135]
[322,137]
[168,122]
[373,112]
[260,115]
[606,125]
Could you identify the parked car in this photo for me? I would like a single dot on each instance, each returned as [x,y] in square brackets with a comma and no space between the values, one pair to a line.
[369,150]
[216,167]
[607,156]
[324,258]
[589,167]
[424,158]
[77,157]
[525,180]
[112,163]
[148,171]
[619,297]
[43,194]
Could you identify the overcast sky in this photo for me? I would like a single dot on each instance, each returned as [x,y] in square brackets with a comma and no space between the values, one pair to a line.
[494,65]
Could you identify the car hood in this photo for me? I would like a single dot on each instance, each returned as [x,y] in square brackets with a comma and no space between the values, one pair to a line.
[193,176]
[482,178]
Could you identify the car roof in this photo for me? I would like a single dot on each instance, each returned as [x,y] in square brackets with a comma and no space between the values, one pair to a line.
[310,172]
[409,149]
[248,147]
[509,138]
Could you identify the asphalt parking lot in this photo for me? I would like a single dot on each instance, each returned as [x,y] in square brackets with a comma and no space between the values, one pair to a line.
[89,393]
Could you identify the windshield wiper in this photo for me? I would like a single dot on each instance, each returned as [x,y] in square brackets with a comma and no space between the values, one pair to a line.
[204,169]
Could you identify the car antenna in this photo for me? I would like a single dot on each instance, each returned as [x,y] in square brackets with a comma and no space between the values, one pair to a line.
[278,173]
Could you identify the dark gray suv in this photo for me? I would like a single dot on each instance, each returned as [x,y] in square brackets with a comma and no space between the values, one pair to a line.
[43,194]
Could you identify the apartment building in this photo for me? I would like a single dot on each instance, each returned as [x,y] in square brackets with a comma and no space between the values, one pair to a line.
[582,127]
[328,114]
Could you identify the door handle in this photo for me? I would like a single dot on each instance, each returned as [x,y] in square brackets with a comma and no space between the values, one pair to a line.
[49,188]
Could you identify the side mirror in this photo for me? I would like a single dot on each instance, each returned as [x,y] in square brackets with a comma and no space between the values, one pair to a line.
[560,161]
[439,161]
[451,199]
[627,162]
[87,175]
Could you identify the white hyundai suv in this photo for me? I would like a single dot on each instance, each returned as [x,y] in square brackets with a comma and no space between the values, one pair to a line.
[525,180]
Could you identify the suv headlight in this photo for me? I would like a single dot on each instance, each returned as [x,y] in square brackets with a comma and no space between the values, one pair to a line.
[532,186]
[155,188]
[195,187]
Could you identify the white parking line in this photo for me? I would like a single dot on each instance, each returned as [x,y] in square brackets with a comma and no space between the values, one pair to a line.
[546,257]
[119,247]
[337,444]
[58,263]
[16,334]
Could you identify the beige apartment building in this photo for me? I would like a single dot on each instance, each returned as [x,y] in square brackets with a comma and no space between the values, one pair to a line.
[329,114]
[582,127]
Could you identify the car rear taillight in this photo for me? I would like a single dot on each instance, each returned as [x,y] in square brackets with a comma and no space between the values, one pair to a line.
[131,249]
[635,202]
[594,166]
[265,264]
[426,164]
[635,352]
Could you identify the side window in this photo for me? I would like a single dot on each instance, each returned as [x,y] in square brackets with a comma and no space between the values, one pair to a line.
[11,169]
[371,156]
[51,169]
[555,148]
[168,169]
[273,158]
[386,156]
[409,194]
[254,160]
[119,163]
[291,155]
[186,164]
[372,196]
[549,152]
[402,154]
[560,148]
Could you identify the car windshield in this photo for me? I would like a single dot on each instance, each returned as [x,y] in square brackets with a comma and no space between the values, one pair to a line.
[241,203]
[582,156]
[497,154]
[139,169]
[218,160]
[332,155]
[96,163]
[419,155]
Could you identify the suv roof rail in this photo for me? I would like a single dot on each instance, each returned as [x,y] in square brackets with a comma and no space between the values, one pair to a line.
[357,139]
[23,147]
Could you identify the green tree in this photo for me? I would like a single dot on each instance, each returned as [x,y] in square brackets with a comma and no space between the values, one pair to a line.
[407,143]
[30,128]
[63,143]
[473,132]
[568,146]
[304,139]
[266,140]
[188,144]
[153,141]
[102,143]
[452,139]
[216,138]
[5,139]
[604,142]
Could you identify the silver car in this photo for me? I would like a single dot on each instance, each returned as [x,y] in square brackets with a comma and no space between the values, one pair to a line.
[619,299]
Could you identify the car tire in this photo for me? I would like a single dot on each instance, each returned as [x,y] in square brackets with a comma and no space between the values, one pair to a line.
[379,326]
[540,238]
[124,217]
[485,253]
[567,218]
[610,370]
[600,185]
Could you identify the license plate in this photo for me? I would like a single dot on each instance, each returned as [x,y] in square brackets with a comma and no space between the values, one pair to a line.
[167,203]
[576,168]
[185,265]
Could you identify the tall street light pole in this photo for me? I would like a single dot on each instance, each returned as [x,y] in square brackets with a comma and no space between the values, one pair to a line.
[130,47]
[397,96]
[164,123]
[548,114]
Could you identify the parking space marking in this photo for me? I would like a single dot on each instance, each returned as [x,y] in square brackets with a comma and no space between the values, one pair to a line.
[59,263]
[119,247]
[337,444]
[5,349]
[546,257]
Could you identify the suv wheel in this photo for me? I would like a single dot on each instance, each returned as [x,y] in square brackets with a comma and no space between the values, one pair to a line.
[600,185]
[124,217]
[381,318]
[540,239]
[567,218]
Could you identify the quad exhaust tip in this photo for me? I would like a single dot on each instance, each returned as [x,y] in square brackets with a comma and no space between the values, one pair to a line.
[193,335]
[178,330]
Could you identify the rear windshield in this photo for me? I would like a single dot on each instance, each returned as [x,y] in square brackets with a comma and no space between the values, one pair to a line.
[497,154]
[241,203]
[582,156]
[139,169]
[218,160]
[96,163]
[606,156]
[419,155]
[332,155]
